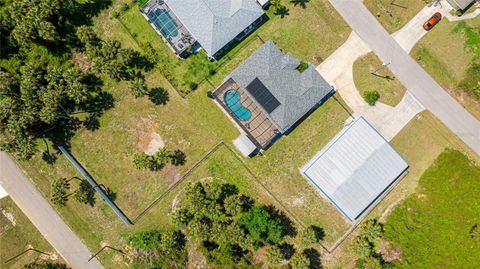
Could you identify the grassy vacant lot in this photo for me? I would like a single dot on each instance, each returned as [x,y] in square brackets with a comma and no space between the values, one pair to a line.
[391,89]
[444,209]
[446,57]
[17,234]
[311,33]
[393,15]
[420,142]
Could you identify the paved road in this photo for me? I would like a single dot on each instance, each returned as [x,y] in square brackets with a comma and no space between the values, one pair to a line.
[409,72]
[43,216]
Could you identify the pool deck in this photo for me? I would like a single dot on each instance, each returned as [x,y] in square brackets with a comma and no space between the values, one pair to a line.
[179,43]
[259,128]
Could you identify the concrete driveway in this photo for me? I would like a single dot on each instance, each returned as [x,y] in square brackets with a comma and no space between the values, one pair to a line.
[410,73]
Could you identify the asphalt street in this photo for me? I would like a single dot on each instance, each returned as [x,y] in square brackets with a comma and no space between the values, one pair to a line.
[426,90]
[43,216]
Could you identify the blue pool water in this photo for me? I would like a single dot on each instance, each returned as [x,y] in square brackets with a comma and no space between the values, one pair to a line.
[164,22]
[232,100]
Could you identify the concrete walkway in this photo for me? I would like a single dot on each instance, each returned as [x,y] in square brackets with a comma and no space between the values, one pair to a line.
[43,216]
[410,73]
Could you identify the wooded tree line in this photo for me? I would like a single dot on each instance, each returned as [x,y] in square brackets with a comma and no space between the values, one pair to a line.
[226,227]
[41,87]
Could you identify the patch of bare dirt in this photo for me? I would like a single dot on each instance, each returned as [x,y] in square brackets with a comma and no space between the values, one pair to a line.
[389,251]
[196,259]
[171,174]
[259,255]
[150,141]
[81,61]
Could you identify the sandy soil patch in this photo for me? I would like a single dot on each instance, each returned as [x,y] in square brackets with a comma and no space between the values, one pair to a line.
[150,142]
[389,251]
[81,61]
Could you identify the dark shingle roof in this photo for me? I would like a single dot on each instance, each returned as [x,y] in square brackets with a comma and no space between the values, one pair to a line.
[214,23]
[296,92]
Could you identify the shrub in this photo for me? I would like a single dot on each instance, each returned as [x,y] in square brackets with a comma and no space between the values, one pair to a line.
[475,232]
[145,240]
[361,247]
[193,86]
[371,97]
[210,94]
[302,67]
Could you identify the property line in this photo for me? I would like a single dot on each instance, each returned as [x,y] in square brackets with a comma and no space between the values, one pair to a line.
[159,198]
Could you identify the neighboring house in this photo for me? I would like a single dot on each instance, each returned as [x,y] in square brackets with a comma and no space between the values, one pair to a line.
[267,95]
[212,24]
[460,4]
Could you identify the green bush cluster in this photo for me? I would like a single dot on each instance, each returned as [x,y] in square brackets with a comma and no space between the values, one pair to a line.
[156,249]
[364,246]
[371,97]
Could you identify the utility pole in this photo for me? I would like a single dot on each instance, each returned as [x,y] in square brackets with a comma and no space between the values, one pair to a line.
[374,72]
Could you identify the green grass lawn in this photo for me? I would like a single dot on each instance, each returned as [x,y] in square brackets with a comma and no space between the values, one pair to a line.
[17,234]
[393,15]
[432,225]
[311,33]
[447,62]
[390,88]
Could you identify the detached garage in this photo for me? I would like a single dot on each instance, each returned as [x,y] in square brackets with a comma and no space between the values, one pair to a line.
[355,168]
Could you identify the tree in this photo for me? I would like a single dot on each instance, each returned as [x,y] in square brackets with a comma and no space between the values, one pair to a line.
[262,226]
[58,192]
[234,204]
[84,193]
[172,243]
[138,87]
[274,256]
[371,97]
[308,236]
[299,261]
[141,160]
[371,230]
[361,247]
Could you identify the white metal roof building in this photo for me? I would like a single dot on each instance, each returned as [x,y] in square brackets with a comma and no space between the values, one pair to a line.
[355,168]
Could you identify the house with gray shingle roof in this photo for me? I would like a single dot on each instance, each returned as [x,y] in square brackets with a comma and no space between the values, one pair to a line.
[267,94]
[213,24]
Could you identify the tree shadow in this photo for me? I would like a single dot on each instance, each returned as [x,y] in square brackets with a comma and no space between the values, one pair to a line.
[314,257]
[319,232]
[47,155]
[282,11]
[109,193]
[159,96]
[178,158]
[302,3]
[63,135]
[287,223]
[287,250]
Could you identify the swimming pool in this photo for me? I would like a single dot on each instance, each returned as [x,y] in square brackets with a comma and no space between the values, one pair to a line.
[164,22]
[232,100]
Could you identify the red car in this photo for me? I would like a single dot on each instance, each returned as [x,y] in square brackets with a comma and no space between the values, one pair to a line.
[432,21]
